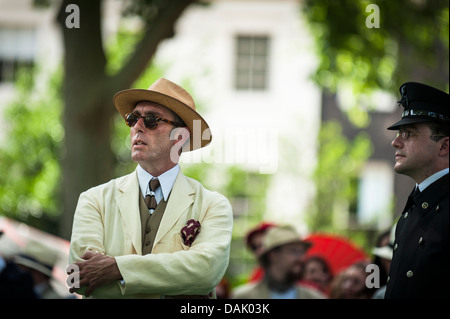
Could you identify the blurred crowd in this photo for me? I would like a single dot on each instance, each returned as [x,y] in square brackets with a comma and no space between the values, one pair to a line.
[27,272]
[286,270]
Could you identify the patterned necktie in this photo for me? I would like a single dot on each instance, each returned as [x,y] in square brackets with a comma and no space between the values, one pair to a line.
[150,199]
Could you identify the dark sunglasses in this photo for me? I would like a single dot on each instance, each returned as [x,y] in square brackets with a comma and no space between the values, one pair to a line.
[151,120]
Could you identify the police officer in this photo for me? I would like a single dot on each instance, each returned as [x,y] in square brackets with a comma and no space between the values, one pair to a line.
[420,262]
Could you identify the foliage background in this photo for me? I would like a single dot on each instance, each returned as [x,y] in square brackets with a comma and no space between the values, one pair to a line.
[352,56]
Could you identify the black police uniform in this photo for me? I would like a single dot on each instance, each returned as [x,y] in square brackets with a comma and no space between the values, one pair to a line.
[420,263]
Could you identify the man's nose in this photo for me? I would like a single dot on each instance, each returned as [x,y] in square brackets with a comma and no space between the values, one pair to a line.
[397,142]
[140,125]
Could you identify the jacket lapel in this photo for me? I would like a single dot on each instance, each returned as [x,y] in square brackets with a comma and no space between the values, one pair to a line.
[127,198]
[180,199]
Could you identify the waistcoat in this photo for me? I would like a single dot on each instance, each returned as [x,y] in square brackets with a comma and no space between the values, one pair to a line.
[150,223]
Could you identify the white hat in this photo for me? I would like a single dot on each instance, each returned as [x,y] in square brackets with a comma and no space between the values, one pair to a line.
[8,247]
[38,256]
[277,236]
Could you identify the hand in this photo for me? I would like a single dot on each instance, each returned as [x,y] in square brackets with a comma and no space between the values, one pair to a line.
[97,270]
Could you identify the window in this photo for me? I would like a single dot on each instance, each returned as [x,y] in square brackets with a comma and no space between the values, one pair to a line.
[374,206]
[9,68]
[17,49]
[252,56]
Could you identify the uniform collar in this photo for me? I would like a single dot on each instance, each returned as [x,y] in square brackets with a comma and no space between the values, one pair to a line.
[430,180]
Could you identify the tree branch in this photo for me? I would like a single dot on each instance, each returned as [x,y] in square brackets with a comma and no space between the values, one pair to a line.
[159,29]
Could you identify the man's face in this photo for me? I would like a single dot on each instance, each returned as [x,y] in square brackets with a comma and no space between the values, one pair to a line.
[288,260]
[353,283]
[151,145]
[315,272]
[416,155]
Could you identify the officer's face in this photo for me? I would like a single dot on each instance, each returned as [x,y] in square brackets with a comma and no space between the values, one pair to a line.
[416,153]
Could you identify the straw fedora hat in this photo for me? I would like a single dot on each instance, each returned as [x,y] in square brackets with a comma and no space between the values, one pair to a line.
[38,256]
[277,236]
[176,99]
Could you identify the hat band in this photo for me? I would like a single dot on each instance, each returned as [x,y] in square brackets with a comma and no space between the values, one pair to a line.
[434,115]
[33,260]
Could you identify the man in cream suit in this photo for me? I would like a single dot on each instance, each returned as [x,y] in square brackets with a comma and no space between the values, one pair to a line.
[122,246]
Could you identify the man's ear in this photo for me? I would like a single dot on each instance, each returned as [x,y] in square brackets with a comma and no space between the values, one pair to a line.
[444,146]
[179,135]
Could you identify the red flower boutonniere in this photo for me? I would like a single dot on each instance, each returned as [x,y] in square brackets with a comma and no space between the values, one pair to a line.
[190,231]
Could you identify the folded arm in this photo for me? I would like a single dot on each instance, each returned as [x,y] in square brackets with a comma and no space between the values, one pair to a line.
[171,269]
[194,271]
[97,270]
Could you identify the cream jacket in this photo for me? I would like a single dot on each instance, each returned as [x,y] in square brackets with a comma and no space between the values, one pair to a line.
[107,220]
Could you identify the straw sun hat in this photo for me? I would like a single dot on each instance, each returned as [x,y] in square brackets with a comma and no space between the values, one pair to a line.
[173,97]
[277,236]
[38,256]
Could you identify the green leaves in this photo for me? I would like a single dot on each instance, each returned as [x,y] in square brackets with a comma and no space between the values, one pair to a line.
[29,164]
[411,33]
[339,164]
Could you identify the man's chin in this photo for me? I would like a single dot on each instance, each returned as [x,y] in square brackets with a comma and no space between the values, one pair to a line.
[399,169]
[138,156]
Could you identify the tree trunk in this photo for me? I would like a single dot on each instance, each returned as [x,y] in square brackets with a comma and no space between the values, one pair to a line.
[87,158]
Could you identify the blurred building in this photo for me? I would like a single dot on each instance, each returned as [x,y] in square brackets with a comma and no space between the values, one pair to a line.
[27,35]
[248,65]
[382,193]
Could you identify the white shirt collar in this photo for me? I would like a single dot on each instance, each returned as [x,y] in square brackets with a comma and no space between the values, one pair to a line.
[430,180]
[166,180]
[291,293]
